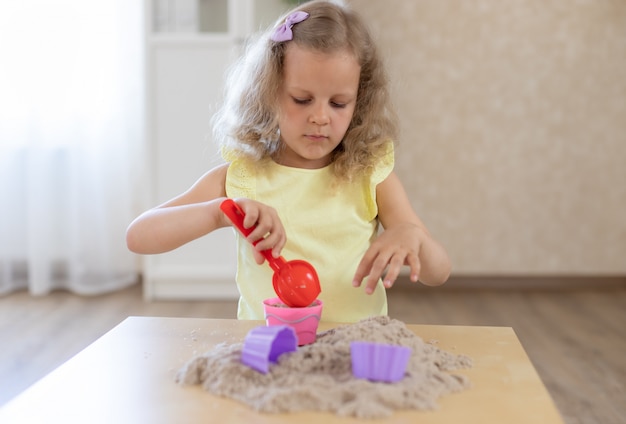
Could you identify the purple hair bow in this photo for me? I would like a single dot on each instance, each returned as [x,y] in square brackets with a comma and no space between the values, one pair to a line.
[283,31]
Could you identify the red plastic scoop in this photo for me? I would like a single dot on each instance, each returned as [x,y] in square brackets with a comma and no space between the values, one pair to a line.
[295,282]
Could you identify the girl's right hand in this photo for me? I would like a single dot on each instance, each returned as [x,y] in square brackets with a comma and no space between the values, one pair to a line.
[269,231]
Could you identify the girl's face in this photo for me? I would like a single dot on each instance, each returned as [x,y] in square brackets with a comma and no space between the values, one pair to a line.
[316,105]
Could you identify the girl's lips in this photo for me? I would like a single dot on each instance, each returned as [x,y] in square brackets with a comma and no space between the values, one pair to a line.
[316,137]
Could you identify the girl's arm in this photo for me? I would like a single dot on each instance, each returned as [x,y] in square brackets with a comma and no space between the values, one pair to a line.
[196,213]
[404,241]
[182,219]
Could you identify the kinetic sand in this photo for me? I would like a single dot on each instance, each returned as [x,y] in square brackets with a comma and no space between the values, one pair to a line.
[318,376]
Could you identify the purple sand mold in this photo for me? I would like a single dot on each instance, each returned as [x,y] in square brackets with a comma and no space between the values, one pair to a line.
[379,361]
[263,345]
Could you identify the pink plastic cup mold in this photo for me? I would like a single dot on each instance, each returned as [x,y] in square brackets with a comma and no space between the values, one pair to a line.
[263,345]
[379,361]
[304,320]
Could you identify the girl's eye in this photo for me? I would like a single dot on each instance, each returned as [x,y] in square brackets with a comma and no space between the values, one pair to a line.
[300,101]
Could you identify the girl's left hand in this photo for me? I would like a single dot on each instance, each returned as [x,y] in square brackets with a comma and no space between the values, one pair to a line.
[395,247]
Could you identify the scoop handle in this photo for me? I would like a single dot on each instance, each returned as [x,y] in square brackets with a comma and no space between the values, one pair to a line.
[236,215]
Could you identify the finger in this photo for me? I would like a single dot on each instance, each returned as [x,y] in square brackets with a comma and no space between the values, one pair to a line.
[258,257]
[378,267]
[251,214]
[274,238]
[362,269]
[415,267]
[266,223]
[278,247]
[370,283]
[274,241]
[262,231]
[393,270]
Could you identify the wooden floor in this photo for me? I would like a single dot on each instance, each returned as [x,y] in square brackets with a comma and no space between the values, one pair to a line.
[575,338]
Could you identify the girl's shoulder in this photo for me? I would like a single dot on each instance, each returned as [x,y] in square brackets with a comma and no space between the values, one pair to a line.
[240,178]
[215,177]
[384,166]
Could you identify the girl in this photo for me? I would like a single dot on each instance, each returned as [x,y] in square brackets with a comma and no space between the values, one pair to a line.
[307,131]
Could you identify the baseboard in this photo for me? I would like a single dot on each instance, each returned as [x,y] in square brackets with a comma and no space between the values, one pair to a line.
[524,282]
[189,288]
[202,288]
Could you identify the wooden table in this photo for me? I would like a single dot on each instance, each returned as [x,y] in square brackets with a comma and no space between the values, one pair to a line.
[127,376]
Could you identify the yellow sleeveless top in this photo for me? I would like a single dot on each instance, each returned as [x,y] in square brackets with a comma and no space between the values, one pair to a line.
[327,224]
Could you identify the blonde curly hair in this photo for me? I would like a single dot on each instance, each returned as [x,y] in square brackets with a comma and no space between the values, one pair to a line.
[247,123]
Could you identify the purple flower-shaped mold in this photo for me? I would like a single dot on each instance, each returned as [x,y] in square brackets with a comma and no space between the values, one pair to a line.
[379,361]
[263,345]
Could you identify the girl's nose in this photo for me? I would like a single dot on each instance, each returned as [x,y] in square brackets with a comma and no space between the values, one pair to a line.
[319,115]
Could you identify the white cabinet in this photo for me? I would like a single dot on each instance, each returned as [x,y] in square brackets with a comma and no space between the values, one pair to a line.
[189,45]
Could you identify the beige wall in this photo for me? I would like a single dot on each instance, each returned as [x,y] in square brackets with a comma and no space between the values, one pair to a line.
[513,114]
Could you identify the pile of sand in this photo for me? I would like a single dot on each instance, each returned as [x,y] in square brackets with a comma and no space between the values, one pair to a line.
[318,377]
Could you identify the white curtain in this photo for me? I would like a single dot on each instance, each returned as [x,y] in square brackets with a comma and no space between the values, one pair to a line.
[71,123]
